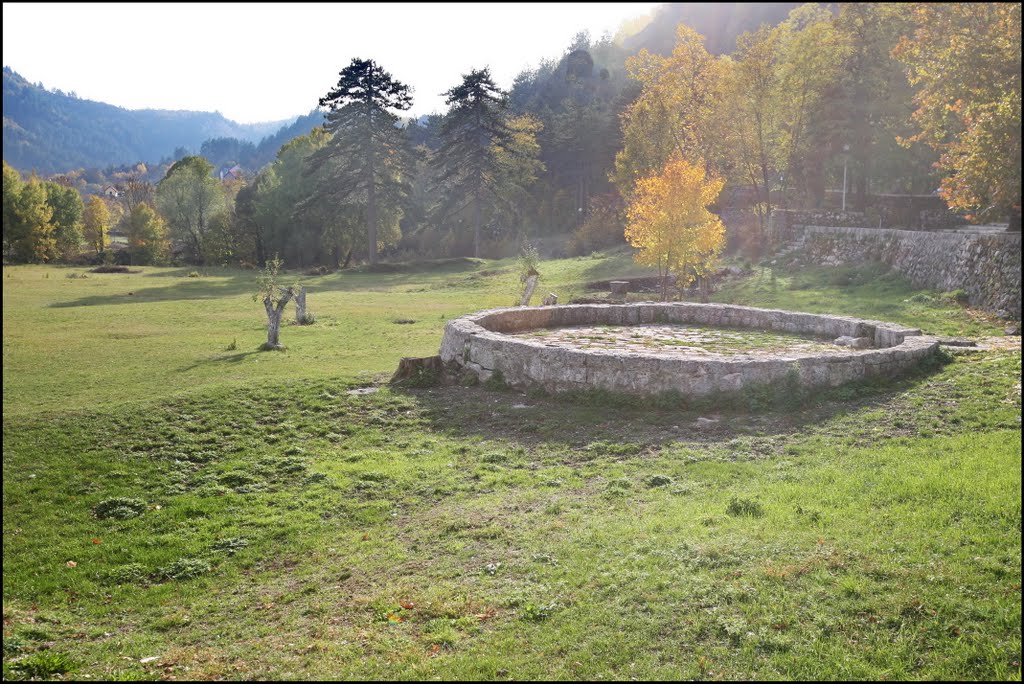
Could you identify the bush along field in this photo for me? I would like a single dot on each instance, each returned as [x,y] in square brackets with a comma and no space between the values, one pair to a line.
[180,505]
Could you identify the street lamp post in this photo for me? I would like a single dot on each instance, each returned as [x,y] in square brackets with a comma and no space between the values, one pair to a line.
[846,148]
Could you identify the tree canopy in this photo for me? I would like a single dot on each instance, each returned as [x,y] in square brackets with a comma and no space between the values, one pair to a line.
[965,59]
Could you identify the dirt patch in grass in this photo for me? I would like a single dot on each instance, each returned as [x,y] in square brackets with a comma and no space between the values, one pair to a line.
[114,269]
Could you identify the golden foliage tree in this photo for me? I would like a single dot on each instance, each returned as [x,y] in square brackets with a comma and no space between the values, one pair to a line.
[669,222]
[147,236]
[97,222]
[966,60]
[678,111]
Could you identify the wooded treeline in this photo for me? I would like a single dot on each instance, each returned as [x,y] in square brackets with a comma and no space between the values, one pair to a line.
[905,98]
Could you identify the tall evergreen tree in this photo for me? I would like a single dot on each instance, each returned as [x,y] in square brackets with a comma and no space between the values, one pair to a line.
[368,160]
[473,133]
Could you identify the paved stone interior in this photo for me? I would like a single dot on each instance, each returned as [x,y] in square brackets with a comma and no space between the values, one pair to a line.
[689,340]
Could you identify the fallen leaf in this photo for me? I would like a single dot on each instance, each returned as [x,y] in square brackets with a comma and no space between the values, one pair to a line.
[407,605]
[96,540]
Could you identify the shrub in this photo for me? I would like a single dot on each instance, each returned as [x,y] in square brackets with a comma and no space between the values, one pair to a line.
[605,225]
[193,274]
[744,507]
[43,665]
[538,613]
[129,573]
[185,568]
[957,296]
[232,545]
[119,508]
[106,268]
[496,381]
[659,480]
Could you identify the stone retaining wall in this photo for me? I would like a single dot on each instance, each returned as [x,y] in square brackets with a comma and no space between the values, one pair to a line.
[480,344]
[987,266]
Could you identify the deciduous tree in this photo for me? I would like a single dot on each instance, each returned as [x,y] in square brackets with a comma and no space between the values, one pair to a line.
[275,298]
[28,234]
[677,112]
[965,59]
[189,197]
[670,224]
[96,223]
[147,235]
[66,218]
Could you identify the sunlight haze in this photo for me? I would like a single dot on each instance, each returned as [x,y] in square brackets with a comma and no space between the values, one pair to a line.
[266,62]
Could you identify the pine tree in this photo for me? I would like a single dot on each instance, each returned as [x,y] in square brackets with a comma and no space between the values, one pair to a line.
[472,136]
[368,160]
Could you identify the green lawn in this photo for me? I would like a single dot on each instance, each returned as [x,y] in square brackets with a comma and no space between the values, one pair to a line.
[173,508]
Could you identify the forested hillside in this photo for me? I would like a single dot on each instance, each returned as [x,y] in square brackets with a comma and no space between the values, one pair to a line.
[49,131]
[719,23]
[52,132]
[582,152]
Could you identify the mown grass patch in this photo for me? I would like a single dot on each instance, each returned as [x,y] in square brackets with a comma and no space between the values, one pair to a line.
[272,524]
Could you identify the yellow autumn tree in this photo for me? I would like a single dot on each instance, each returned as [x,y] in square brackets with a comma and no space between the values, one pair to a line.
[97,222]
[670,225]
[678,111]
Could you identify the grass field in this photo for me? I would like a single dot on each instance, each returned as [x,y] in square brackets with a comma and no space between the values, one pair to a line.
[177,504]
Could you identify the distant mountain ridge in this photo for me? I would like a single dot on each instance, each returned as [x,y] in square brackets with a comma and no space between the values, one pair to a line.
[720,23]
[51,132]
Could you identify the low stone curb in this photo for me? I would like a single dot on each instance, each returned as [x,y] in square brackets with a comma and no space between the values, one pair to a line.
[480,343]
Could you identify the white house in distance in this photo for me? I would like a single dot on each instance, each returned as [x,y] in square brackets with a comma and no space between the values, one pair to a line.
[111,191]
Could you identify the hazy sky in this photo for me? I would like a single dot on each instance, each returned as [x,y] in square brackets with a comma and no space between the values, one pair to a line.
[265,62]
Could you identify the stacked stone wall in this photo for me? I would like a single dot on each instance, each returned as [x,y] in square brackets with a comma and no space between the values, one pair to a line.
[985,265]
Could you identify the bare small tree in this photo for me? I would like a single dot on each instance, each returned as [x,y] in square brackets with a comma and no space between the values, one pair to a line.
[275,298]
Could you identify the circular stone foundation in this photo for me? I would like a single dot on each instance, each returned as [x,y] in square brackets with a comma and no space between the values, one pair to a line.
[694,349]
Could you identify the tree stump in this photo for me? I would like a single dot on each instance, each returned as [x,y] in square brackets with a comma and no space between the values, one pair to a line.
[412,368]
[300,307]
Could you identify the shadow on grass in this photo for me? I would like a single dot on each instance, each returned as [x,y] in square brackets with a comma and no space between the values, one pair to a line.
[235,282]
[579,419]
[223,358]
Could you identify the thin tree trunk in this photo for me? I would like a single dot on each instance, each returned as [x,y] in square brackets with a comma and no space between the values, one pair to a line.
[261,254]
[274,319]
[371,215]
[477,220]
[531,284]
